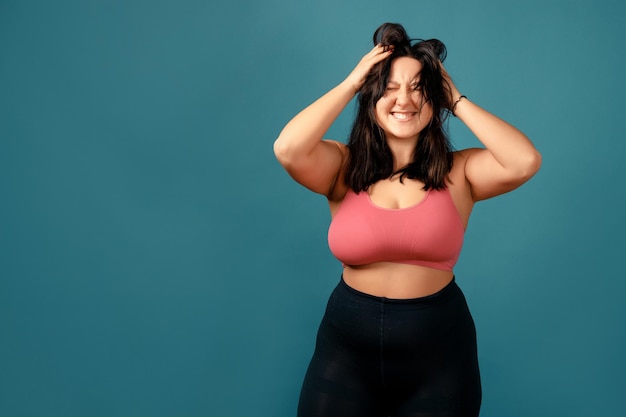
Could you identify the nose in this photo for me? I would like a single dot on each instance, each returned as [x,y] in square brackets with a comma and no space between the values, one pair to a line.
[403,96]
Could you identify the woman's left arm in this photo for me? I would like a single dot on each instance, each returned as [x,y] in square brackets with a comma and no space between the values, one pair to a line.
[509,158]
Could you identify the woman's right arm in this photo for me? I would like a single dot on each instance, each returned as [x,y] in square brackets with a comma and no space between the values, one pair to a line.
[311,161]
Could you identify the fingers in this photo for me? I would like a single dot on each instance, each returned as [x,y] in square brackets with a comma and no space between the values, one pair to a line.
[379,53]
[373,57]
[379,50]
[451,87]
[387,48]
[382,49]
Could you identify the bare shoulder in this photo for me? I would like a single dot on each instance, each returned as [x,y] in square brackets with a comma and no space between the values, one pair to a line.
[459,159]
[318,169]
[459,162]
[343,148]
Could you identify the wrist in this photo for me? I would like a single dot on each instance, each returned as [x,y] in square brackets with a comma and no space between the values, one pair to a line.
[348,86]
[456,103]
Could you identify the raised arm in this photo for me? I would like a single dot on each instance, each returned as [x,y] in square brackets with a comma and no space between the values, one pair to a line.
[509,158]
[311,161]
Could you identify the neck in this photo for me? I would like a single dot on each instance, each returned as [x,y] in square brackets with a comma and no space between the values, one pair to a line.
[402,152]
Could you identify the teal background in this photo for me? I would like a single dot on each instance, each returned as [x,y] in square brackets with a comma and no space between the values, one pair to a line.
[156,260]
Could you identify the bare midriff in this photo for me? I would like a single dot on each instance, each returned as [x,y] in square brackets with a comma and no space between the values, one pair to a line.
[396,280]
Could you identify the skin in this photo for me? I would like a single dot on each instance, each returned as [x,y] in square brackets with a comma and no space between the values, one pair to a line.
[507,160]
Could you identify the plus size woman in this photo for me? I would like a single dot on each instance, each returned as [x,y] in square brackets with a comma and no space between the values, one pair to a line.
[397,338]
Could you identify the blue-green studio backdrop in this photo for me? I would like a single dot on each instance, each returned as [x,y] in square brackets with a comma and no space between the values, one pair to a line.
[155,260]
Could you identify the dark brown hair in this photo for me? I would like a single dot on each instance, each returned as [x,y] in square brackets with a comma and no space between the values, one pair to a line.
[370,158]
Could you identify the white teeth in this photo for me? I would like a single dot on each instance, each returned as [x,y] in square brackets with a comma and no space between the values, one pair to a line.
[402,116]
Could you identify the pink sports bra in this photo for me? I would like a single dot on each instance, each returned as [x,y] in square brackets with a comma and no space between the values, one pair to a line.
[429,233]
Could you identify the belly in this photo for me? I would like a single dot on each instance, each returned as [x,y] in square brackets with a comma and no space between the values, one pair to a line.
[396,280]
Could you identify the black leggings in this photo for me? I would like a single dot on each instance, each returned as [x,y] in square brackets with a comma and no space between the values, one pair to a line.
[380,357]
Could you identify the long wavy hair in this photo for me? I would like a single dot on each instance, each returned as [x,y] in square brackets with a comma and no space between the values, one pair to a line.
[370,158]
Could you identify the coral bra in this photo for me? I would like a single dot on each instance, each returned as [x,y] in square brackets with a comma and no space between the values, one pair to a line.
[429,233]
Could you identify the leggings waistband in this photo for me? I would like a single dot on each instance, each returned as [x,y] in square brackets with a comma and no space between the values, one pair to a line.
[441,295]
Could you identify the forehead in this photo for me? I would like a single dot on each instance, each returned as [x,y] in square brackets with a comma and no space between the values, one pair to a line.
[405,68]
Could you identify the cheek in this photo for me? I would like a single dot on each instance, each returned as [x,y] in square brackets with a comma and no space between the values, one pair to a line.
[427,110]
[382,103]
[380,109]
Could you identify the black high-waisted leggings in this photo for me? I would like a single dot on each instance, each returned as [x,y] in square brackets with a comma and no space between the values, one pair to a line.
[379,357]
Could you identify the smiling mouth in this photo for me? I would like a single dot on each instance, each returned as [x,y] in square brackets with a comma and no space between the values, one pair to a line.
[402,116]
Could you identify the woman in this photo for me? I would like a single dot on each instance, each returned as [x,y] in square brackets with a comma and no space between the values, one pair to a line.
[397,338]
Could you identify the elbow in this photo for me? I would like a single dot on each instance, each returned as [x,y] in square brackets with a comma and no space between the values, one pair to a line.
[285,152]
[535,162]
[281,151]
[531,166]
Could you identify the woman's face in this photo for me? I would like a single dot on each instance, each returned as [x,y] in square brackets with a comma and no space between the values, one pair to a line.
[402,112]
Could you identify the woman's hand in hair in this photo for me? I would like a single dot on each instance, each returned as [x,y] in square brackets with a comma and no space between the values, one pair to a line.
[453,92]
[508,158]
[359,73]
[301,149]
